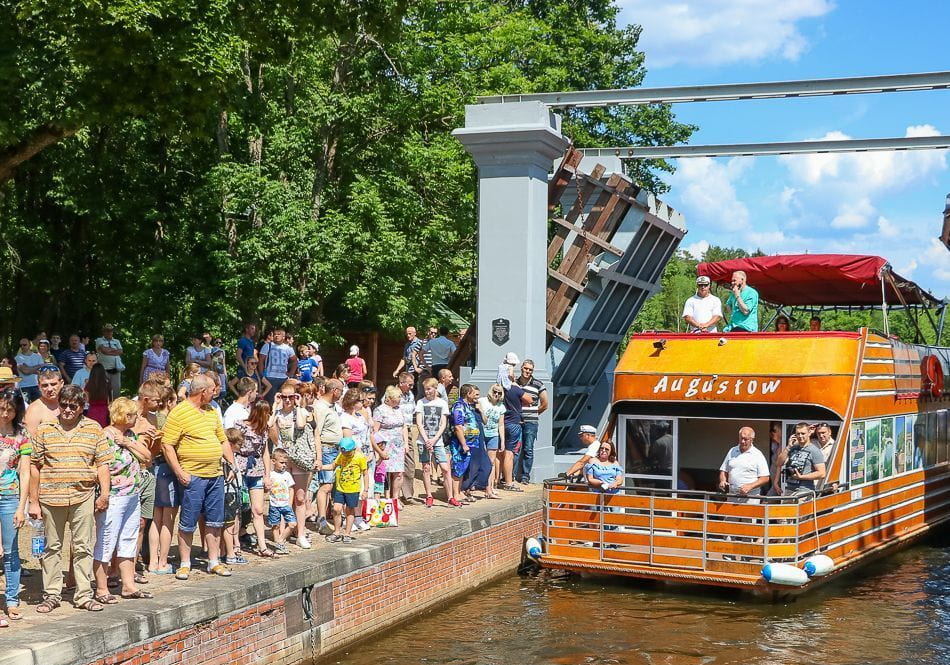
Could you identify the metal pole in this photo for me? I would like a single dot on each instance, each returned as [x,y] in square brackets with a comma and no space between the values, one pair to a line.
[943,315]
[732,91]
[772,148]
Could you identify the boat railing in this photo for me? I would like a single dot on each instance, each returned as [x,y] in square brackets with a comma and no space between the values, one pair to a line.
[692,530]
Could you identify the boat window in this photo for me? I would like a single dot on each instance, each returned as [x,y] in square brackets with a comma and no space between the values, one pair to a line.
[880,448]
[858,451]
[872,469]
[903,435]
[886,458]
[930,444]
[941,442]
[649,450]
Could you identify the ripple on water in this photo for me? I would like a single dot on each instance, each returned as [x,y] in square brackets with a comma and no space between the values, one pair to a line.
[893,612]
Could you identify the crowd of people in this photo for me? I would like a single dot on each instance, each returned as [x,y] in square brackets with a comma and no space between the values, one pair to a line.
[246,461]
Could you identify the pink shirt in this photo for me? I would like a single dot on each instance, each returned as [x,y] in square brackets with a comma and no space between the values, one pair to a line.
[355,365]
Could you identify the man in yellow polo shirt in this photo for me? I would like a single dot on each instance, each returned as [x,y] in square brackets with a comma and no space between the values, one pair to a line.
[193,441]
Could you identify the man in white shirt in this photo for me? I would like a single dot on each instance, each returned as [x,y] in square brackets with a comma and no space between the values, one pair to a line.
[703,311]
[109,350]
[240,409]
[744,471]
[825,441]
[28,363]
[588,438]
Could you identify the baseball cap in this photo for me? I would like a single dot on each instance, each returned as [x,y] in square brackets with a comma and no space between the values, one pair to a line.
[314,346]
[511,358]
[347,444]
[702,279]
[588,429]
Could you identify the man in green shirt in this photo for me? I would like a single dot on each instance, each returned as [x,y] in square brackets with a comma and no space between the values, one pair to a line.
[743,303]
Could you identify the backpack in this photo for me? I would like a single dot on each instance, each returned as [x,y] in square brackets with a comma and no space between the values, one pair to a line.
[301,450]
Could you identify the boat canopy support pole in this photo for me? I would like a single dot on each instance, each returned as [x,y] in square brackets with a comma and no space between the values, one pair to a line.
[887,332]
[943,316]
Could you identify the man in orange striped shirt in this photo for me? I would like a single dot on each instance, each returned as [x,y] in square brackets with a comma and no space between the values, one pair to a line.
[193,441]
[70,457]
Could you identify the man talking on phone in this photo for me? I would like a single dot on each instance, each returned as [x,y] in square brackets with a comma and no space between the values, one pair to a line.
[743,303]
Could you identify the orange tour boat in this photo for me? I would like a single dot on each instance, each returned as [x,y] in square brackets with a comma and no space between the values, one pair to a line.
[679,401]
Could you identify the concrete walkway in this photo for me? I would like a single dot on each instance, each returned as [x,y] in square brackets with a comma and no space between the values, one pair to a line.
[71,636]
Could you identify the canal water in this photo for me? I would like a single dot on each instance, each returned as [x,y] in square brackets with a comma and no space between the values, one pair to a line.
[895,611]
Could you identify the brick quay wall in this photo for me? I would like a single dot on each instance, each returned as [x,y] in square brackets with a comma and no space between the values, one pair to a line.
[260,615]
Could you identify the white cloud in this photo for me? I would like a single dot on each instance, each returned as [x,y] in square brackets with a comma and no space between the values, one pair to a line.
[696,250]
[907,269]
[839,192]
[875,170]
[718,32]
[706,191]
[937,256]
[888,229]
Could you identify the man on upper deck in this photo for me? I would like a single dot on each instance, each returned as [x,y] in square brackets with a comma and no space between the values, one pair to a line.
[744,305]
[703,311]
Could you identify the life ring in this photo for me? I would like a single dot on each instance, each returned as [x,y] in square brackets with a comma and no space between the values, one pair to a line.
[931,376]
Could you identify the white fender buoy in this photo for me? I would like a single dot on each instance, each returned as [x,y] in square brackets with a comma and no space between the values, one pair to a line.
[785,574]
[818,565]
[533,547]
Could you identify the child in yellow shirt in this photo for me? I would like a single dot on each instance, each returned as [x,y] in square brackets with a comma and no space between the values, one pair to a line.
[351,484]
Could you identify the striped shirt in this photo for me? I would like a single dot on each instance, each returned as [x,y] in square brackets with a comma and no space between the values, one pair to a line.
[534,387]
[197,436]
[68,461]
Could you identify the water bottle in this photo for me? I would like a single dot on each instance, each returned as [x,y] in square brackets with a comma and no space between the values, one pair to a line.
[38,541]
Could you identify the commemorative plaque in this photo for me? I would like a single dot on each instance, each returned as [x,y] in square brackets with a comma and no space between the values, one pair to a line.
[500,331]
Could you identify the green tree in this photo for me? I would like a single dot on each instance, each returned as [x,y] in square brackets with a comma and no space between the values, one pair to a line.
[315,185]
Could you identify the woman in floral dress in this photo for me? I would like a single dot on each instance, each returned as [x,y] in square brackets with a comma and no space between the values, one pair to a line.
[391,433]
[117,527]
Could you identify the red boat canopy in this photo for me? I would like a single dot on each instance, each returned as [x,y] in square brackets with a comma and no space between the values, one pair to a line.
[821,279]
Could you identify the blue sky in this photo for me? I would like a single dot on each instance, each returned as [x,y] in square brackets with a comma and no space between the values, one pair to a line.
[886,203]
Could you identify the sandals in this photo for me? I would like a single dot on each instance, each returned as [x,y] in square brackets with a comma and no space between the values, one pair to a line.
[4,623]
[48,604]
[511,487]
[137,595]
[90,606]
[105,599]
[14,613]
[140,578]
[266,553]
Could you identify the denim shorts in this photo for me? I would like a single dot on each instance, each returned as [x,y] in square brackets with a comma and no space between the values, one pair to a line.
[330,452]
[274,513]
[438,452]
[167,487]
[202,495]
[512,437]
[254,482]
[493,443]
[348,499]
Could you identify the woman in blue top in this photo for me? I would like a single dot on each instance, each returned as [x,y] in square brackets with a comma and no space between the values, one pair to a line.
[606,475]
